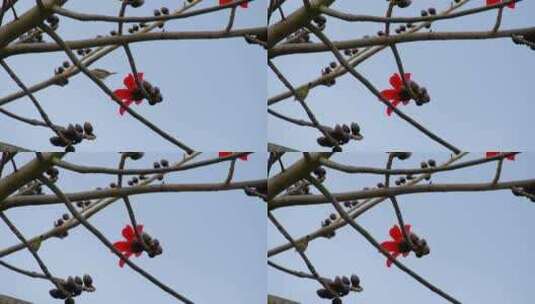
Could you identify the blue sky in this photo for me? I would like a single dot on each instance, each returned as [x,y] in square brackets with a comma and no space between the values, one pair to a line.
[207,86]
[480,90]
[214,243]
[481,243]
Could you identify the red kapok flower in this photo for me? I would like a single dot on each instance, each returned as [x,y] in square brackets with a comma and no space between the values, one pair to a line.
[225,154]
[492,154]
[398,245]
[131,245]
[492,2]
[223,2]
[397,94]
[132,93]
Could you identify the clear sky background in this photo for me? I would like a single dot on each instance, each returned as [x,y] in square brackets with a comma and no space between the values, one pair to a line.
[214,243]
[481,243]
[207,85]
[480,90]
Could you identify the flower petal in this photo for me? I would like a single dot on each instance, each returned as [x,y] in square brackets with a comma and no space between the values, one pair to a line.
[130,81]
[395,233]
[125,105]
[224,154]
[389,110]
[124,94]
[390,246]
[491,154]
[122,246]
[124,258]
[389,261]
[390,94]
[395,81]
[128,233]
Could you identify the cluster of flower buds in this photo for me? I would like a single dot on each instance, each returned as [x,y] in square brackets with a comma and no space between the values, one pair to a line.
[154,94]
[133,181]
[162,163]
[162,11]
[327,71]
[341,133]
[419,94]
[72,287]
[60,222]
[153,245]
[83,204]
[419,245]
[340,287]
[427,164]
[350,204]
[159,12]
[72,135]
[429,12]
[83,52]
[62,81]
[53,21]
[351,52]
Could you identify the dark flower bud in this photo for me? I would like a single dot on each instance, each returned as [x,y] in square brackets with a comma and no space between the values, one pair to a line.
[355,280]
[88,128]
[57,141]
[336,301]
[324,294]
[324,141]
[355,128]
[88,280]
